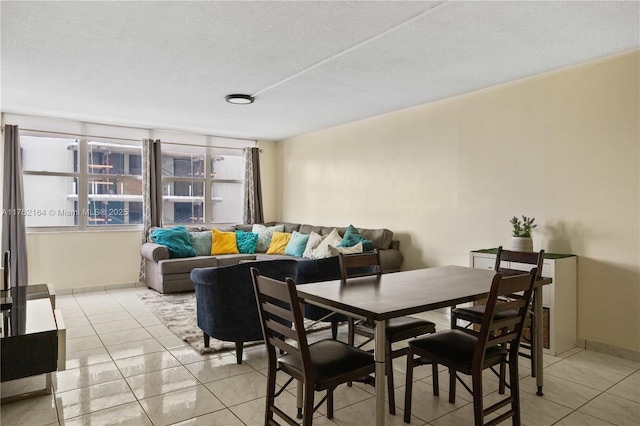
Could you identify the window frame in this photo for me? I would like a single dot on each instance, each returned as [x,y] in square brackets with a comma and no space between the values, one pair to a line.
[83,178]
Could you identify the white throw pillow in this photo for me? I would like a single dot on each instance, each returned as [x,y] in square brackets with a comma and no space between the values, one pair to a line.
[334,251]
[322,251]
[314,240]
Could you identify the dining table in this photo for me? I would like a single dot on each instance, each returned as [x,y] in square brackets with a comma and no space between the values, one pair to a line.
[376,299]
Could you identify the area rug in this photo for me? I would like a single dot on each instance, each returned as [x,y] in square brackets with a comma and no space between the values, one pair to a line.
[177,312]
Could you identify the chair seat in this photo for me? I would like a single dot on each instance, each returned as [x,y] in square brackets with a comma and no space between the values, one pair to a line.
[457,347]
[474,314]
[332,360]
[399,328]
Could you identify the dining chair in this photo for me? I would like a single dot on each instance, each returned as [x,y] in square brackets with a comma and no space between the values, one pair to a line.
[524,262]
[319,366]
[396,329]
[496,342]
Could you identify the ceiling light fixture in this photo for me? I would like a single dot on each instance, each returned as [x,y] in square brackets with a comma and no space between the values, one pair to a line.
[239,99]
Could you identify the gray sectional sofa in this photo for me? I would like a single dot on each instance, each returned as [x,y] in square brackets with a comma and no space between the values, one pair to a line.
[167,275]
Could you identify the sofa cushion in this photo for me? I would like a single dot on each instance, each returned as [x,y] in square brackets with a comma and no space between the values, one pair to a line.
[279,241]
[297,244]
[223,242]
[314,241]
[335,251]
[176,239]
[352,237]
[201,242]
[381,238]
[264,236]
[322,250]
[185,265]
[246,242]
[233,259]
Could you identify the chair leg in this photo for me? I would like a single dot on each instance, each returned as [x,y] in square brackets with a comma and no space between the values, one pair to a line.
[514,383]
[350,332]
[329,403]
[206,339]
[435,379]
[408,386]
[350,338]
[478,409]
[532,339]
[271,392]
[334,330]
[502,379]
[452,385]
[389,373]
[307,416]
[239,349]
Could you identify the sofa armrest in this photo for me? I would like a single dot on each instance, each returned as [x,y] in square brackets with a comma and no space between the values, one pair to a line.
[391,260]
[154,252]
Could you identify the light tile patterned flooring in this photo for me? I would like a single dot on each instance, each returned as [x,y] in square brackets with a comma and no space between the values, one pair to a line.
[125,367]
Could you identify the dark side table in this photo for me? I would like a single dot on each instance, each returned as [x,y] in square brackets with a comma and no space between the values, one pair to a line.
[29,337]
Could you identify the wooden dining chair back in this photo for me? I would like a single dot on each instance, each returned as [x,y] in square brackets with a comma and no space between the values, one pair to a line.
[496,342]
[318,366]
[360,264]
[508,262]
[396,329]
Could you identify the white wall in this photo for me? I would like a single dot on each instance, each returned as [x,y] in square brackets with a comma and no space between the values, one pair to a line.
[446,177]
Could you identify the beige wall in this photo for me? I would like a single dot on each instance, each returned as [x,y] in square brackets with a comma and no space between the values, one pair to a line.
[446,177]
[82,259]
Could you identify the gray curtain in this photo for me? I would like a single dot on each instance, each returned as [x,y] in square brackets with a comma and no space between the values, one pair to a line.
[14,235]
[252,211]
[151,191]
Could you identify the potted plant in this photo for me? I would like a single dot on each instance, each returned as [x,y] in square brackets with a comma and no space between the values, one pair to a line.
[521,236]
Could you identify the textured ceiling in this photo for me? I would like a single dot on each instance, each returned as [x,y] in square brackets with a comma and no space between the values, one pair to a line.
[310,64]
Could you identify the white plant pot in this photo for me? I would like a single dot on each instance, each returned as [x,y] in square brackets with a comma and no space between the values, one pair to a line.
[522,244]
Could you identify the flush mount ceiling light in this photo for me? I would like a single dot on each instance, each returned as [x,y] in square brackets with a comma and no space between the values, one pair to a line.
[239,99]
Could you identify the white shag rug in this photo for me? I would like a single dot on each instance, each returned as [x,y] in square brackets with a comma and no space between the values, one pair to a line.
[177,311]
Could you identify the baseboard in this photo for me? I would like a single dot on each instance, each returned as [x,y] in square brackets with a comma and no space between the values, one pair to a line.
[608,349]
[94,288]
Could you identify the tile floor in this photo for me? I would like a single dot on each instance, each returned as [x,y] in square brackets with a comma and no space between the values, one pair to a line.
[125,367]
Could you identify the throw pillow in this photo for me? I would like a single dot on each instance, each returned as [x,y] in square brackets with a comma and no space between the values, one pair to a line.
[201,242]
[264,236]
[334,251]
[322,251]
[223,242]
[314,240]
[353,237]
[279,241]
[297,244]
[246,242]
[176,239]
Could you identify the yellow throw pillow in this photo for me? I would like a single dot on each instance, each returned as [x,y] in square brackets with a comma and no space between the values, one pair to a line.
[279,241]
[223,242]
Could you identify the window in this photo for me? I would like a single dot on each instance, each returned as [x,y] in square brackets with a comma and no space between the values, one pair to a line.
[73,181]
[61,192]
[188,173]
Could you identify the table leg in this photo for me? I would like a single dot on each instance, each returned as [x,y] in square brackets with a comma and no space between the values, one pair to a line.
[538,339]
[379,357]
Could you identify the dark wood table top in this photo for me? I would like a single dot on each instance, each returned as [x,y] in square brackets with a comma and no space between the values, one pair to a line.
[401,293]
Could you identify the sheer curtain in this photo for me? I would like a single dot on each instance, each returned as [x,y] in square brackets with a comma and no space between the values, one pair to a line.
[252,211]
[14,238]
[151,191]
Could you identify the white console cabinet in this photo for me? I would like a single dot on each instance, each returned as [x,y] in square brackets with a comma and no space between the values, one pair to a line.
[559,299]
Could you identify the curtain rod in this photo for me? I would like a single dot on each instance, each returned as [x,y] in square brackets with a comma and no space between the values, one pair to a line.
[135,140]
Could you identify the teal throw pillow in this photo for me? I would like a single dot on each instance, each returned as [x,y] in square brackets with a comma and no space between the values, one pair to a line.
[353,237]
[201,242]
[176,239]
[246,242]
[297,244]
